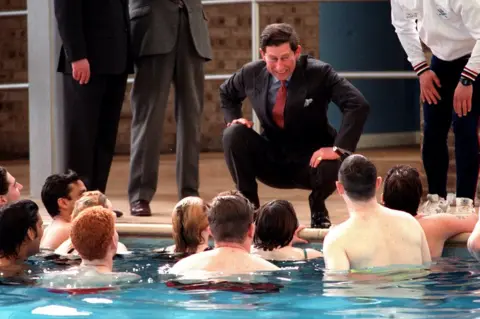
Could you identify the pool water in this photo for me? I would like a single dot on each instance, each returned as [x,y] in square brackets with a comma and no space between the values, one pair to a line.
[450,290]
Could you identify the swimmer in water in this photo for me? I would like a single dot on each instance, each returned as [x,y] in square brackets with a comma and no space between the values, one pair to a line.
[95,238]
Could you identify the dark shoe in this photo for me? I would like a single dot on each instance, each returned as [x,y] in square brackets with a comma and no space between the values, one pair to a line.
[118,213]
[320,220]
[140,208]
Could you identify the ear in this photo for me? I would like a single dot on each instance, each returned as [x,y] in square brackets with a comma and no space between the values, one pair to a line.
[251,230]
[3,200]
[340,188]
[379,182]
[262,54]
[298,51]
[31,234]
[62,203]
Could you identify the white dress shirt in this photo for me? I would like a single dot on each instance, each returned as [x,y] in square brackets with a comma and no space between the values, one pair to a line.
[450,28]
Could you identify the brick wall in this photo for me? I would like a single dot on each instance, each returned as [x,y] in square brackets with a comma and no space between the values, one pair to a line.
[230,33]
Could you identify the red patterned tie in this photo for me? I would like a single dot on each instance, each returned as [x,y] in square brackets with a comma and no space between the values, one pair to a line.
[279,106]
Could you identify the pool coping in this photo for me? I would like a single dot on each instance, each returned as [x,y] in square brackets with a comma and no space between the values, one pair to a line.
[310,234]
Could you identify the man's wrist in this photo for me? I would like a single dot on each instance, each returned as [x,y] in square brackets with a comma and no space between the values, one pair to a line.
[342,153]
[421,68]
[468,75]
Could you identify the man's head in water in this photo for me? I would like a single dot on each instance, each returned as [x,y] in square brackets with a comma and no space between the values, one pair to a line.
[357,179]
[21,229]
[402,189]
[230,219]
[9,187]
[94,235]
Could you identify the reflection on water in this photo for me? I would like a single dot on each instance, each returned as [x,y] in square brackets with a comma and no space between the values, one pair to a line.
[449,289]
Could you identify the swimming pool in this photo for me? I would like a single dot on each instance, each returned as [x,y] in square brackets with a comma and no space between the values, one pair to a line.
[450,290]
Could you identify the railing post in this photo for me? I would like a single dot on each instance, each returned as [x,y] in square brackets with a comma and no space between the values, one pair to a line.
[44,95]
[255,16]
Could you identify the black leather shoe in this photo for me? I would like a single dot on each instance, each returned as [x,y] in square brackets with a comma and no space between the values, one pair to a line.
[140,208]
[319,220]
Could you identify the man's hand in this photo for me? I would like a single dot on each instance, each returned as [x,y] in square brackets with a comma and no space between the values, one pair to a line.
[462,100]
[325,153]
[429,82]
[243,121]
[81,71]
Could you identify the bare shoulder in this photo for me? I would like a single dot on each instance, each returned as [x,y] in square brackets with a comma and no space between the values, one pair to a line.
[262,264]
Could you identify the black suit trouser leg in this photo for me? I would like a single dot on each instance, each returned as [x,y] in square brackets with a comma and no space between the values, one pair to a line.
[250,157]
[92,113]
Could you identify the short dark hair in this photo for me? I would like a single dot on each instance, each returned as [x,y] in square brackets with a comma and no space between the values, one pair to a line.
[4,186]
[277,34]
[358,176]
[402,189]
[57,186]
[16,218]
[275,225]
[229,218]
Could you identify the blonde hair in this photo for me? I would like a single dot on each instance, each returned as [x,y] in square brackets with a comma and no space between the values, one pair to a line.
[92,232]
[189,219]
[89,199]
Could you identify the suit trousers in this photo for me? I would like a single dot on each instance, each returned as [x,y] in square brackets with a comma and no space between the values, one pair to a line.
[250,156]
[92,114]
[437,122]
[154,75]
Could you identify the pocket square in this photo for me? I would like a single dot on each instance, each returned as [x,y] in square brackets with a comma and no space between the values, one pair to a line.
[307,102]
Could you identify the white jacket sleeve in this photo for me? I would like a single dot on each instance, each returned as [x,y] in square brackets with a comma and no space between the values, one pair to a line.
[404,22]
[470,12]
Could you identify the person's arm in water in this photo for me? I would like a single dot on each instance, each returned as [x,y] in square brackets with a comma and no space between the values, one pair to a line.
[334,254]
[473,243]
[426,257]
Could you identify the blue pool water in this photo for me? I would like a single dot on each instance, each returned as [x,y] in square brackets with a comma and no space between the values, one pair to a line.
[450,290]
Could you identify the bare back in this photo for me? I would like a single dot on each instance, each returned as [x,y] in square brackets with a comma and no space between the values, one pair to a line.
[224,260]
[55,234]
[383,238]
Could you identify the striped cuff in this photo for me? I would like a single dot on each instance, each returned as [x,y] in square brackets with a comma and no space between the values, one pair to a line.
[469,74]
[421,67]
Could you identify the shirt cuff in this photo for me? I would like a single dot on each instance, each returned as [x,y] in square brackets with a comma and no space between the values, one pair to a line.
[469,74]
[421,67]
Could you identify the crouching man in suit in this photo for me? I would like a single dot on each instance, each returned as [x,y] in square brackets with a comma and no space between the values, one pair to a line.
[298,148]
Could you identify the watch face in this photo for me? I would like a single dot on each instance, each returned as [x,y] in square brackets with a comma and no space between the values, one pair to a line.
[466,82]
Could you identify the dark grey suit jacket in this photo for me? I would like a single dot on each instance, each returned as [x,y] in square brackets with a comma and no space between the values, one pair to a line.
[154,26]
[313,85]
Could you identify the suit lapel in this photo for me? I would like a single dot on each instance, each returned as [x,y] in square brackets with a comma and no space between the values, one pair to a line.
[261,93]
[296,92]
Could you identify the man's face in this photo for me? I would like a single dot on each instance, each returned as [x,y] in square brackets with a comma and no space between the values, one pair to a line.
[76,190]
[281,60]
[14,189]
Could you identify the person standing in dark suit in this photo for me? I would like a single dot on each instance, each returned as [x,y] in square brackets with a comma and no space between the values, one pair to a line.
[95,59]
[171,43]
[298,148]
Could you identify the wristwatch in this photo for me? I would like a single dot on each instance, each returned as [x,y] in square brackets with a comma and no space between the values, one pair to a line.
[465,81]
[342,153]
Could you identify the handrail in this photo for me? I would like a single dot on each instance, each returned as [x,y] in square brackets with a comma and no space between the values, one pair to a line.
[13,13]
[351,75]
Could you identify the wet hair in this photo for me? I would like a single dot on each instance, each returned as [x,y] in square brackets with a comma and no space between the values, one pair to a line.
[189,219]
[230,217]
[4,185]
[16,218]
[89,199]
[277,34]
[57,186]
[358,176]
[275,225]
[403,189]
[92,232]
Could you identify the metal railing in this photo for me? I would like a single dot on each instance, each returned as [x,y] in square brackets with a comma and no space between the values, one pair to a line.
[255,47]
